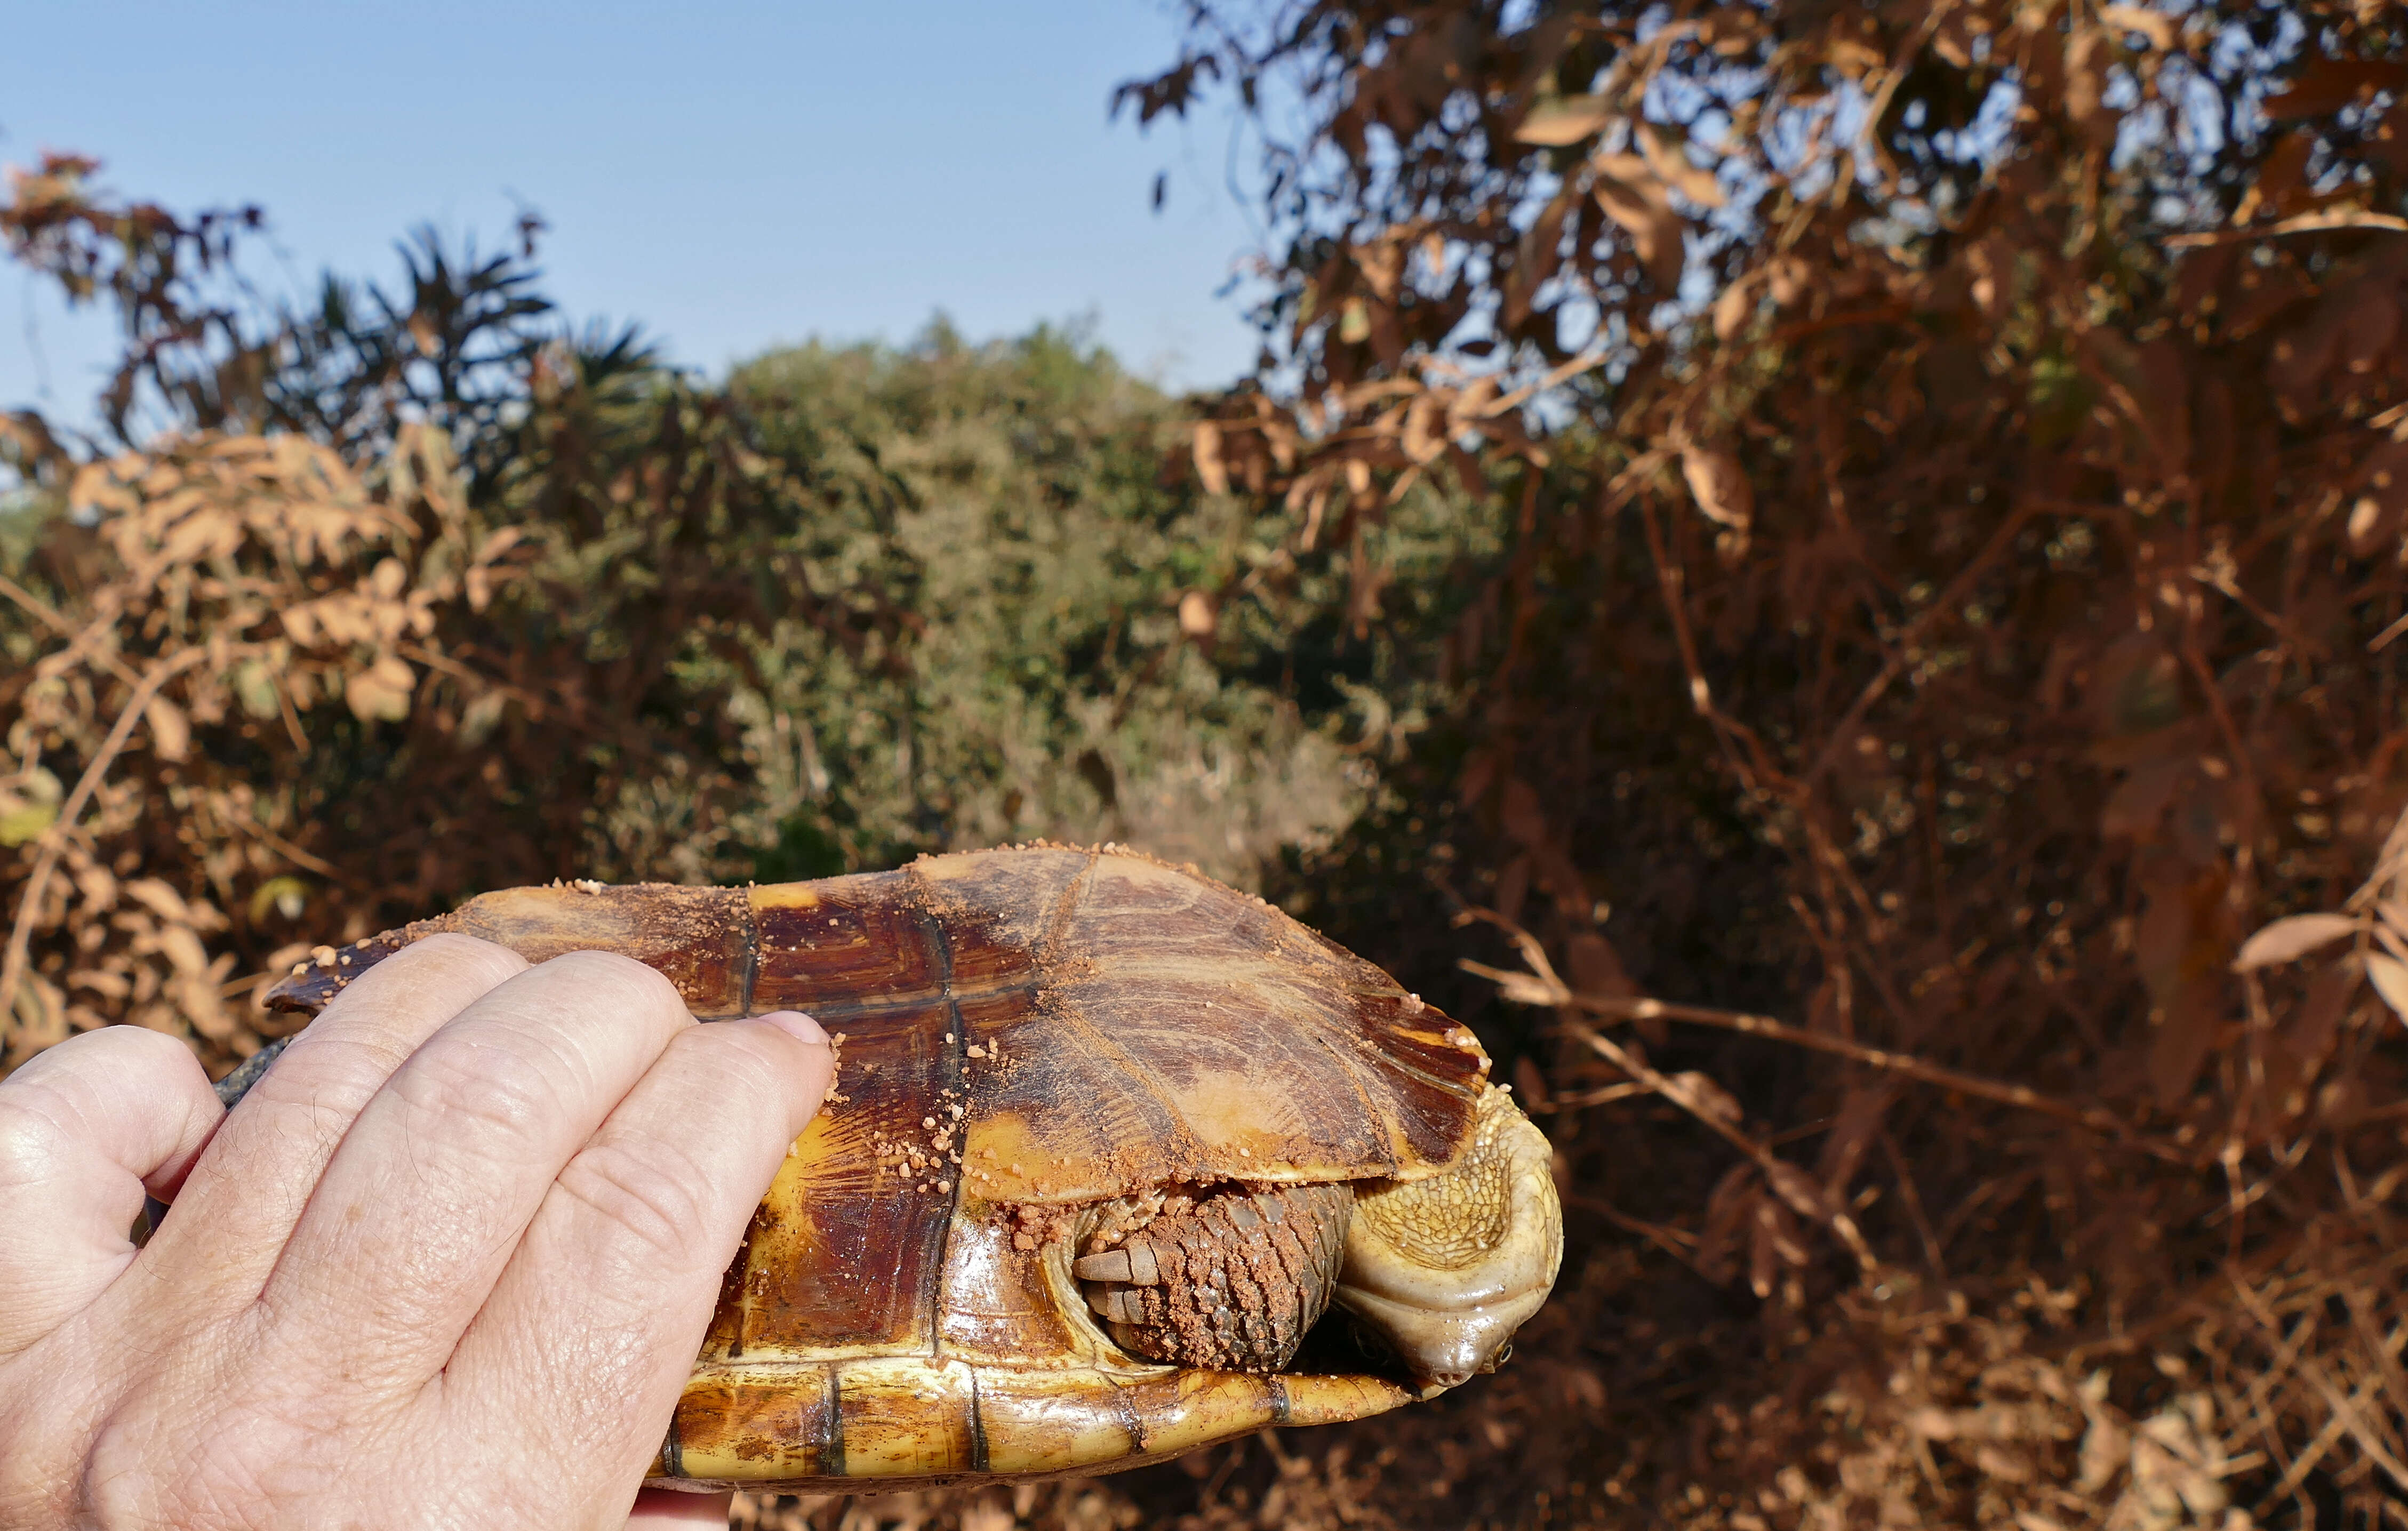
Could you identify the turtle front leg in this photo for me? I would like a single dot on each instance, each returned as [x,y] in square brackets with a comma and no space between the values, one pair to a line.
[1231,1281]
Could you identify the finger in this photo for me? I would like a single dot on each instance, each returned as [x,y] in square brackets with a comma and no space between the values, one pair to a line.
[86,1128]
[603,1309]
[658,1510]
[244,1196]
[434,1187]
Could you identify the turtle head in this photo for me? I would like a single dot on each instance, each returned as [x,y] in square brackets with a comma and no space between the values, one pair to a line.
[1442,1270]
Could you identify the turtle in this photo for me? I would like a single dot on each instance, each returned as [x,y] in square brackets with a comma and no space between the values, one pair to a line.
[1107,1140]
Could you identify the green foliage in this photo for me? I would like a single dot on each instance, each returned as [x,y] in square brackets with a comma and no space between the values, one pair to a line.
[442,596]
[1010,500]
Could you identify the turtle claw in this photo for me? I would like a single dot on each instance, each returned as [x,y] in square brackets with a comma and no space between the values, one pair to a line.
[1132,1265]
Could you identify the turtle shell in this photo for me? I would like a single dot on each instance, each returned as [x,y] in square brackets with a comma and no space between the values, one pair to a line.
[1022,1033]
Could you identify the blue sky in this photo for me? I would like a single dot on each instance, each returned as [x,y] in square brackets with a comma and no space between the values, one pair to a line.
[732,176]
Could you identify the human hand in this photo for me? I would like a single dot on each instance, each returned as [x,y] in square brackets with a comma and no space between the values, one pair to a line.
[448,1264]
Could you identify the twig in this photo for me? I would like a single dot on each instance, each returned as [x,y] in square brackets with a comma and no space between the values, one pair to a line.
[2315,223]
[1543,987]
[2097,1118]
[1948,602]
[1604,1095]
[1914,1212]
[1669,1240]
[2345,1411]
[1593,357]
[1790,1183]
[1879,313]
[535,705]
[2384,1348]
[2206,1298]
[55,839]
[293,853]
[2375,644]
[1672,584]
[284,707]
[1874,110]
[49,616]
[2222,581]
[42,610]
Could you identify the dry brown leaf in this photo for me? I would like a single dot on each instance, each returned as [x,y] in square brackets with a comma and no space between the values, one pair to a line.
[2393,912]
[171,733]
[1719,485]
[2155,26]
[1793,1185]
[1209,465]
[1705,1095]
[381,692]
[1536,256]
[1735,306]
[1197,617]
[2087,54]
[1572,119]
[2390,979]
[1520,988]
[1354,320]
[184,950]
[1634,197]
[1423,439]
[1663,151]
[1768,1242]
[2289,938]
[160,899]
[2390,940]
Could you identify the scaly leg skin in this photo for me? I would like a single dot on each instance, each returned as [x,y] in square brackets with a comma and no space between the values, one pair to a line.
[1230,1283]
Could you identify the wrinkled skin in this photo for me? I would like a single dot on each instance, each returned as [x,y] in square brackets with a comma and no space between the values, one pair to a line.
[468,1179]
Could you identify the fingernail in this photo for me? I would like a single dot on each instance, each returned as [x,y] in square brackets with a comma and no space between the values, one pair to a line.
[795,1023]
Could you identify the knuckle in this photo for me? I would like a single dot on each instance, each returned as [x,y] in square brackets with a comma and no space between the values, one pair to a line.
[616,972]
[753,1070]
[330,1071]
[647,1194]
[32,1144]
[130,1479]
[467,952]
[447,969]
[67,1082]
[465,1083]
[250,1464]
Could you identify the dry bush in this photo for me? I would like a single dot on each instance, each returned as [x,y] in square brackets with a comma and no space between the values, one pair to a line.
[1957,460]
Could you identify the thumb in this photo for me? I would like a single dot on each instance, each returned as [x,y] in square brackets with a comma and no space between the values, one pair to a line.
[86,1128]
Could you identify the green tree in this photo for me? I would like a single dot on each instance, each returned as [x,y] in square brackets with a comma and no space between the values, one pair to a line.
[1069,676]
[420,591]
